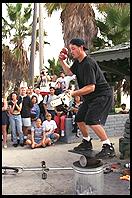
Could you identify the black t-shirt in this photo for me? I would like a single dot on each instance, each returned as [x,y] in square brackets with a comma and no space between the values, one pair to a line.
[88,72]
[18,103]
[26,106]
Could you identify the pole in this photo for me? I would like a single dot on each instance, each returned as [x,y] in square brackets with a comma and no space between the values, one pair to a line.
[41,37]
[33,46]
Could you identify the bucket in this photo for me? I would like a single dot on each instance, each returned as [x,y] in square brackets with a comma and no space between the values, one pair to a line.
[88,180]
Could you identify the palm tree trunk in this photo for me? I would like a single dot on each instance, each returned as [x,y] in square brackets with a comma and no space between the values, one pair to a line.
[41,37]
[33,46]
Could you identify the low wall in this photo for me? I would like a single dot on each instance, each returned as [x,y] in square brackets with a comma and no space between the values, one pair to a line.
[114,127]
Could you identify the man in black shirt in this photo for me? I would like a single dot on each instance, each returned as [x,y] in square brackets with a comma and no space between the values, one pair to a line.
[25,112]
[97,97]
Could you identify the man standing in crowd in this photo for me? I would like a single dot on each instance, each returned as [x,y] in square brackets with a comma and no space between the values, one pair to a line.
[25,112]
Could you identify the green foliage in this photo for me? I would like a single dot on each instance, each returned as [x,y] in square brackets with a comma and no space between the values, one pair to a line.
[54,67]
[115,26]
[51,7]
[17,19]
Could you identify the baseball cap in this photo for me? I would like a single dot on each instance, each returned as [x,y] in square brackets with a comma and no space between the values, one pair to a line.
[78,42]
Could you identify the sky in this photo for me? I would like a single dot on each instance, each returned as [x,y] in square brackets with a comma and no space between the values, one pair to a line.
[52,25]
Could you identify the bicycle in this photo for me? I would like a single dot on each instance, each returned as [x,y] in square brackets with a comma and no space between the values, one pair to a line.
[12,170]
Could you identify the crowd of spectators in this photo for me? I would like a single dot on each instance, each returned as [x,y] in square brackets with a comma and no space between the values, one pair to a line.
[29,116]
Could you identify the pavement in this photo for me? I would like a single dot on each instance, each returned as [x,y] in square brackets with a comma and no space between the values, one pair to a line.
[58,182]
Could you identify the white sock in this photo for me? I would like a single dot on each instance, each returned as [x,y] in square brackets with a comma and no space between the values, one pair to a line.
[106,142]
[87,138]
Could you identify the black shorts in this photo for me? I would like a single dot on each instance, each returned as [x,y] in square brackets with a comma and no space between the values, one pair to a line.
[5,118]
[95,111]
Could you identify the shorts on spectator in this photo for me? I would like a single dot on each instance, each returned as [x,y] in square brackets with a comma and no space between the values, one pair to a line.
[51,136]
[26,122]
[37,140]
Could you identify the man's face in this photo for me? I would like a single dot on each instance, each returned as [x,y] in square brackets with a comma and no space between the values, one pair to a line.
[52,91]
[23,91]
[75,51]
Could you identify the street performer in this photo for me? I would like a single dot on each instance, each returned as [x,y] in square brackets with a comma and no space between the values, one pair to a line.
[96,93]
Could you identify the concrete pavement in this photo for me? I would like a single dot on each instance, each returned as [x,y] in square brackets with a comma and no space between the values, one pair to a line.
[58,182]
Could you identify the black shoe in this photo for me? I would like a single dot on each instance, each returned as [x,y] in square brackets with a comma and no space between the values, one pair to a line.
[18,141]
[22,144]
[84,146]
[107,151]
[74,130]
[15,145]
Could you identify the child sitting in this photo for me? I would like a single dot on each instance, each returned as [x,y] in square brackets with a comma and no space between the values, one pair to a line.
[38,137]
[49,127]
[61,113]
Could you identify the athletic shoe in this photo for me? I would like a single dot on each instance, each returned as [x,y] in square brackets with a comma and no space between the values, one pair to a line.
[22,144]
[15,145]
[84,146]
[5,146]
[107,151]
[62,134]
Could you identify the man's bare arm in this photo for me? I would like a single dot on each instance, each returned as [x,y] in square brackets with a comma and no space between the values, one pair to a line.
[65,67]
[83,91]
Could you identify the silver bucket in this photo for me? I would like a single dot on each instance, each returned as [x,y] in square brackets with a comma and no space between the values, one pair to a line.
[88,180]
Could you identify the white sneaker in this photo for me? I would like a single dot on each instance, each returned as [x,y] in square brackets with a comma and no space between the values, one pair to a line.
[62,134]
[5,146]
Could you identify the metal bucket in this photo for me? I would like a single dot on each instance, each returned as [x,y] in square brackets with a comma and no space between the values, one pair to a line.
[88,180]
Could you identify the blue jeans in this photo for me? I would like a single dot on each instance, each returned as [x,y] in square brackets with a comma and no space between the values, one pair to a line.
[16,127]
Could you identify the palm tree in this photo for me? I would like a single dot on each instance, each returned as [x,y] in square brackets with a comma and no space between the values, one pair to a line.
[17,24]
[116,24]
[78,20]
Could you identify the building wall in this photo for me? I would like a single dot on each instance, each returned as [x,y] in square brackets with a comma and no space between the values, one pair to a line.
[114,127]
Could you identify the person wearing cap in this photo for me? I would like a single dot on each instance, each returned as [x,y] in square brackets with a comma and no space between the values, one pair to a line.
[97,97]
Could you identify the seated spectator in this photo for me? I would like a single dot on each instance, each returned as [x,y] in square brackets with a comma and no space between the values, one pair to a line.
[123,110]
[35,110]
[49,127]
[38,138]
[15,107]
[61,113]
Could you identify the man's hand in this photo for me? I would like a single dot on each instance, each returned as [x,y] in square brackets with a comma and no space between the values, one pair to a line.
[70,93]
[63,54]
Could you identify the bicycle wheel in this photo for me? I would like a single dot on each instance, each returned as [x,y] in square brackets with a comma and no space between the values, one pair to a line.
[7,170]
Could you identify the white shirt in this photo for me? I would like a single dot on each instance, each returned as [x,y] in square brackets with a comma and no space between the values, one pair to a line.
[66,80]
[50,98]
[49,125]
